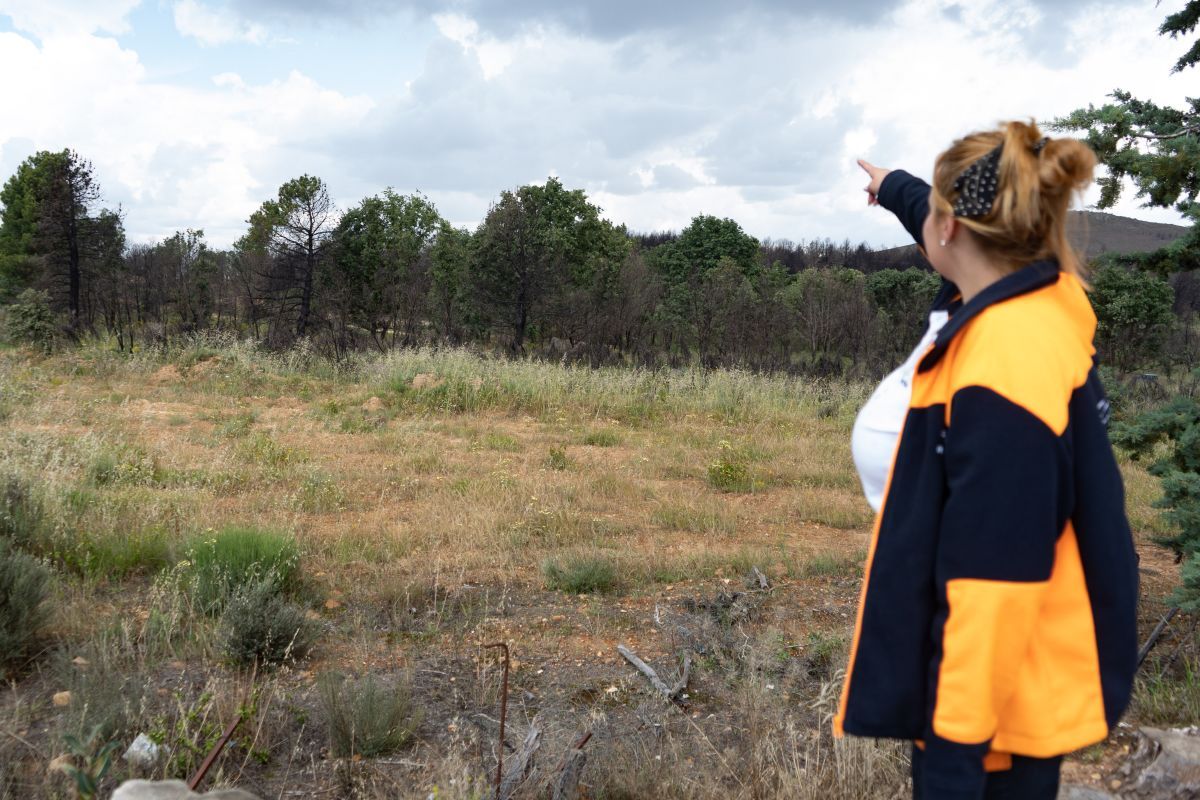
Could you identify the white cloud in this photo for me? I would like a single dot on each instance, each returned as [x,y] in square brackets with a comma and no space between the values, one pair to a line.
[494,56]
[215,26]
[756,117]
[172,156]
[45,18]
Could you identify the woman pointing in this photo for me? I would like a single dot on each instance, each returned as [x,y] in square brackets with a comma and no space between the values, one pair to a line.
[997,623]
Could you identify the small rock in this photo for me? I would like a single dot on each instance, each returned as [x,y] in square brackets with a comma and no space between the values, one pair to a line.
[59,763]
[62,699]
[373,405]
[332,604]
[144,752]
[80,661]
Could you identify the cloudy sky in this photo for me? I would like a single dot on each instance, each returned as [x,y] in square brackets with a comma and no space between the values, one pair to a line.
[194,111]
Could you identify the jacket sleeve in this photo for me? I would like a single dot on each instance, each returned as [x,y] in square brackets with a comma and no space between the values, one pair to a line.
[907,197]
[1008,492]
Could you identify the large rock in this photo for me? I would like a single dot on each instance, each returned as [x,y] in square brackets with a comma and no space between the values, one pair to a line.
[1166,764]
[173,790]
[1074,791]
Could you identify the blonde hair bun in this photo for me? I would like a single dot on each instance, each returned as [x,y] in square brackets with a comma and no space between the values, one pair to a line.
[1037,179]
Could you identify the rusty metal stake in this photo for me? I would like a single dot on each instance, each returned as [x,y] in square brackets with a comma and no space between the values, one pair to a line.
[503,716]
[216,751]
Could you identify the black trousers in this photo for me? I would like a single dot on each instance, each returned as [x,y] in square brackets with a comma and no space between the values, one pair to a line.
[1029,779]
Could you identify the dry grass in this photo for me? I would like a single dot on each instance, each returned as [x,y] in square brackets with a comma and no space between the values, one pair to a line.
[433,520]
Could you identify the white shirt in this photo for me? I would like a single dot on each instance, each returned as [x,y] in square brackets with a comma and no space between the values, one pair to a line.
[877,427]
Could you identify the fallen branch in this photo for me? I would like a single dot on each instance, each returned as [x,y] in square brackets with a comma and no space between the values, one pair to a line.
[657,682]
[763,583]
[681,684]
[645,669]
[570,770]
[1155,635]
[520,770]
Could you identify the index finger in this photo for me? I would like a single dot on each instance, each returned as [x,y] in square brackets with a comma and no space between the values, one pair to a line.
[867,166]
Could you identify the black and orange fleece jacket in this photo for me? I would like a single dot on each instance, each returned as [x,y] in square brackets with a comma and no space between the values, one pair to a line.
[998,611]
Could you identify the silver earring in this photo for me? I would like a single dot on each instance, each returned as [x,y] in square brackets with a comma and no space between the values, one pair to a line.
[942,242]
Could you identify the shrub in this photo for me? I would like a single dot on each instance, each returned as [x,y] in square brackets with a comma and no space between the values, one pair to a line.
[20,512]
[1133,315]
[30,320]
[24,590]
[318,493]
[125,466]
[366,716]
[274,457]
[580,575]
[260,627]
[730,472]
[557,459]
[237,557]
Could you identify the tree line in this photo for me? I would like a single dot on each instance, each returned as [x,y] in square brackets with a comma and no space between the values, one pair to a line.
[543,273]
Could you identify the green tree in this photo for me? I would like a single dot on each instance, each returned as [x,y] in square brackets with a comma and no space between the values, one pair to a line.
[901,298]
[536,249]
[832,317]
[701,247]
[48,205]
[190,272]
[449,277]
[18,229]
[1157,147]
[1178,469]
[381,270]
[1133,314]
[684,265]
[727,303]
[294,230]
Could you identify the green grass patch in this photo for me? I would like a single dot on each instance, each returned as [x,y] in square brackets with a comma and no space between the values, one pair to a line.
[694,520]
[580,574]
[237,425]
[116,556]
[318,493]
[426,464]
[602,438]
[1168,700]
[834,565]
[501,442]
[220,564]
[263,450]
[125,466]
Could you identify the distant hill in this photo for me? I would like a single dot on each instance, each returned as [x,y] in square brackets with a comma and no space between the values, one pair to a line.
[1093,232]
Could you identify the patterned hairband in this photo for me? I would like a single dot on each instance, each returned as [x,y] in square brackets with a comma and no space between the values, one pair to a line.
[976,186]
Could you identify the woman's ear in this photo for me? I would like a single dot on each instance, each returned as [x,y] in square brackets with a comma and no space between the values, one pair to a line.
[948,228]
